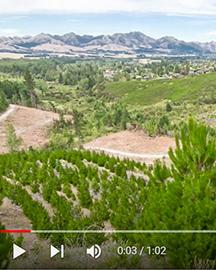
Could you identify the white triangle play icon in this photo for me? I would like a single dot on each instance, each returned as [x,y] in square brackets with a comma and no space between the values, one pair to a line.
[53,251]
[17,251]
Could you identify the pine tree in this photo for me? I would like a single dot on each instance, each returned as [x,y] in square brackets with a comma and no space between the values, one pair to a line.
[30,85]
[13,141]
[60,79]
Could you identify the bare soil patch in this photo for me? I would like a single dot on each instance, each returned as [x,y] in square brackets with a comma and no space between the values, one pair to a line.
[133,144]
[30,124]
[12,217]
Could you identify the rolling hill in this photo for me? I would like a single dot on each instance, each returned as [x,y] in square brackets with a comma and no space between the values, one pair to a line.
[151,92]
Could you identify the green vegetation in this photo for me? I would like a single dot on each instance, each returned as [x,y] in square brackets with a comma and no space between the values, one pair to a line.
[106,95]
[30,86]
[5,248]
[3,102]
[184,195]
[71,181]
[177,90]
[13,141]
[92,115]
[14,91]
[64,70]
[85,189]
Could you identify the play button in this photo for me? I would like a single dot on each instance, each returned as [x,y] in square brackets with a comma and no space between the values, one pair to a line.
[53,251]
[17,251]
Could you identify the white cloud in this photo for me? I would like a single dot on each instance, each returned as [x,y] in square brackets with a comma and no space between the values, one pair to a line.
[181,7]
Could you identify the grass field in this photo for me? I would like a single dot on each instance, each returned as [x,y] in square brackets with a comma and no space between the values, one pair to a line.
[151,92]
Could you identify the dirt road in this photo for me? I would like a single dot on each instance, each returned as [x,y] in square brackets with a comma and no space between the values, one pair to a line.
[133,144]
[10,110]
[30,124]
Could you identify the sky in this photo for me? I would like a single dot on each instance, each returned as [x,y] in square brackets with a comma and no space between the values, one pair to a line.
[189,20]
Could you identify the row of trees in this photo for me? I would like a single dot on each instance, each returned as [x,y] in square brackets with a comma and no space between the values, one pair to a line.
[179,197]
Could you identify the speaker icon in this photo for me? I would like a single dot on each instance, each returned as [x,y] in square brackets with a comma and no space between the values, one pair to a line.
[94,251]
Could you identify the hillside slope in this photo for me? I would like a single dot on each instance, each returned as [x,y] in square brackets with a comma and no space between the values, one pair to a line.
[135,145]
[151,92]
[30,124]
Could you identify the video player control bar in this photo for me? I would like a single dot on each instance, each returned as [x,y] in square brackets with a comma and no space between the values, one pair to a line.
[110,231]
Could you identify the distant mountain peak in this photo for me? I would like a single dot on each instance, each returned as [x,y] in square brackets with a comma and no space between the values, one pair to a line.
[170,38]
[128,43]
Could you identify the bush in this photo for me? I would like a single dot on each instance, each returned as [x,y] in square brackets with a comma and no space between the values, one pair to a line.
[151,127]
[168,107]
[3,102]
[13,141]
[182,197]
[164,125]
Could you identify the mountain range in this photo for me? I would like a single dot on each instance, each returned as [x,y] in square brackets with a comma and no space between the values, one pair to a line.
[132,43]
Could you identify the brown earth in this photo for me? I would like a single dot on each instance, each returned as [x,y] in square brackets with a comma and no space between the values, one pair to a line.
[12,217]
[133,144]
[30,124]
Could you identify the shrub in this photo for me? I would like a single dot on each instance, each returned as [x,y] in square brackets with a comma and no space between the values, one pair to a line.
[164,125]
[182,197]
[3,102]
[13,141]
[168,107]
[151,127]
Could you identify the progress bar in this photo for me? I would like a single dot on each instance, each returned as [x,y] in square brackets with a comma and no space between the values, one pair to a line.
[125,231]
[110,231]
[16,231]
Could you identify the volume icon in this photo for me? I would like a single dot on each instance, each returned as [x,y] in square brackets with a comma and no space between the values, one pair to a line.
[94,251]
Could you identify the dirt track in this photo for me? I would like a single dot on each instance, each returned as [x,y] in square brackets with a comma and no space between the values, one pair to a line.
[30,124]
[133,144]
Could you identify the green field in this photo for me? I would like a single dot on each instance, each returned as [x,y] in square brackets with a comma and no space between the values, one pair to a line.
[151,92]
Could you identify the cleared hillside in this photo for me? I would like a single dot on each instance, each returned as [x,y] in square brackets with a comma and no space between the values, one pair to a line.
[133,145]
[151,92]
[30,124]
